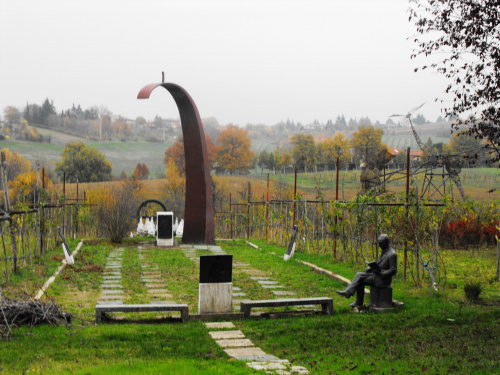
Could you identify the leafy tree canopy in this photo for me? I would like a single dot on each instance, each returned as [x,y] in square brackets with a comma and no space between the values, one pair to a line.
[83,164]
[367,143]
[234,154]
[16,164]
[305,152]
[464,39]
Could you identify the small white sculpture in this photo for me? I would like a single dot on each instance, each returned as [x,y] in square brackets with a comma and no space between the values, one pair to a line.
[180,229]
[140,226]
[151,227]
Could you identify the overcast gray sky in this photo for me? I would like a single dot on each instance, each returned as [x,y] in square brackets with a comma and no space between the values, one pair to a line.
[241,61]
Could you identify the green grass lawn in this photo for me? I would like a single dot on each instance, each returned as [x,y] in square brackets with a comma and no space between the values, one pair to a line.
[433,333]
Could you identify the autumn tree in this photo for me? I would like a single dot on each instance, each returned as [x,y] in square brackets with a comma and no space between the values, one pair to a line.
[12,115]
[83,164]
[463,37]
[465,145]
[367,143]
[174,190]
[176,153]
[337,146]
[16,164]
[234,154]
[304,152]
[286,159]
[141,172]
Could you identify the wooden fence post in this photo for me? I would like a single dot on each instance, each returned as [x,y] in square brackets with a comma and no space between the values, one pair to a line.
[498,260]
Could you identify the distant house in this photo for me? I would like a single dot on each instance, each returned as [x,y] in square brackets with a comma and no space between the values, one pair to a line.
[395,151]
[416,155]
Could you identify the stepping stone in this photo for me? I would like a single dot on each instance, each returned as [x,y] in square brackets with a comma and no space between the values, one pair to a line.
[236,289]
[201,247]
[219,325]
[112,291]
[110,302]
[239,294]
[260,358]
[152,280]
[238,343]
[241,264]
[240,352]
[268,366]
[111,297]
[272,286]
[283,293]
[225,335]
[260,278]
[113,267]
[268,282]
[215,248]
[299,370]
[111,286]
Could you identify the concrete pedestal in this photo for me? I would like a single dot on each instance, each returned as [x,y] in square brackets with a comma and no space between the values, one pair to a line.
[381,297]
[215,298]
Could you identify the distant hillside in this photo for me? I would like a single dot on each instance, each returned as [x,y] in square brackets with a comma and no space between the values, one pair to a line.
[123,155]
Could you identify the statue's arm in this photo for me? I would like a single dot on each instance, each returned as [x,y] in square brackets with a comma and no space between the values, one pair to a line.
[393,267]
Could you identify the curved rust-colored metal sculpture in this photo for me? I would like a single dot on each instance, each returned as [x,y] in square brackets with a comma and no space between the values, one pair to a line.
[199,207]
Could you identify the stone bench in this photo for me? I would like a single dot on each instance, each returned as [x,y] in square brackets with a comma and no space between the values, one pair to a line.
[152,307]
[325,302]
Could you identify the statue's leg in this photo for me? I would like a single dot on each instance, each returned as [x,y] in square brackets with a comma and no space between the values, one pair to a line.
[362,279]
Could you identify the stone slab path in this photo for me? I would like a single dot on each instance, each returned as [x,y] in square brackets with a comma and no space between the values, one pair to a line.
[237,346]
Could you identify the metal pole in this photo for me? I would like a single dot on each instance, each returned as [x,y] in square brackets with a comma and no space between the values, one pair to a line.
[336,217]
[407,213]
[498,260]
[231,216]
[267,209]
[248,212]
[294,197]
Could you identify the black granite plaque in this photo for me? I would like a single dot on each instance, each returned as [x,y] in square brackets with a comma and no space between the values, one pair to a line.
[216,269]
[165,227]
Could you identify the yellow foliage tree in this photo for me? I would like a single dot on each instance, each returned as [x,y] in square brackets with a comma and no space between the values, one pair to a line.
[367,143]
[16,164]
[24,188]
[337,146]
[234,154]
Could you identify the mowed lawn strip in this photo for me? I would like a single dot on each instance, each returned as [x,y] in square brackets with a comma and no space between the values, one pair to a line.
[174,348]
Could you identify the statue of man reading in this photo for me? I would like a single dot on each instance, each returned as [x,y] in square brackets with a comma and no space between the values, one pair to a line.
[378,274]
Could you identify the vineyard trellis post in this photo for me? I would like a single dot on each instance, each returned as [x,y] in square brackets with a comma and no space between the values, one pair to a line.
[7,206]
[294,197]
[230,217]
[407,211]
[336,216]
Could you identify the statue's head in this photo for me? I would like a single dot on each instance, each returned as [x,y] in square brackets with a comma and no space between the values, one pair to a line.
[383,241]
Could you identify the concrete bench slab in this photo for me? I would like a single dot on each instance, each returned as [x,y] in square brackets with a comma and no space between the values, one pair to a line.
[151,307]
[325,302]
